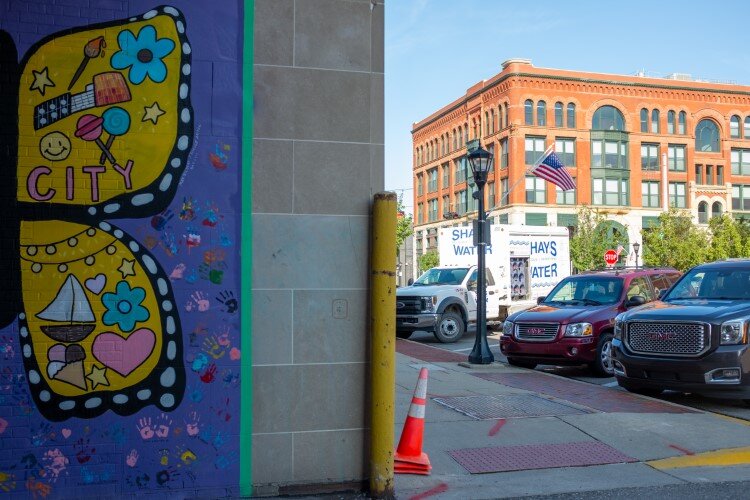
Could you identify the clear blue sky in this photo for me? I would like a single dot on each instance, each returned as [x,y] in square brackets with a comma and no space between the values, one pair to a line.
[436,49]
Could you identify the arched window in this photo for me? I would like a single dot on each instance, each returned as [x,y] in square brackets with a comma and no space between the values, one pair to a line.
[707,136]
[734,127]
[670,122]
[654,121]
[528,112]
[681,123]
[486,123]
[703,212]
[500,125]
[466,135]
[747,127]
[608,118]
[505,114]
[492,121]
[644,120]
[716,209]
[571,115]
[541,114]
[558,114]
[455,140]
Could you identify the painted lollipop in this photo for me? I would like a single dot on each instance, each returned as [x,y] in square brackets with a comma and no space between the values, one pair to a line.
[89,128]
[116,122]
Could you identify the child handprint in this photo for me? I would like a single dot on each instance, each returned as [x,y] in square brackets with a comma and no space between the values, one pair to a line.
[229,301]
[192,424]
[144,427]
[209,375]
[132,459]
[164,423]
[160,221]
[201,300]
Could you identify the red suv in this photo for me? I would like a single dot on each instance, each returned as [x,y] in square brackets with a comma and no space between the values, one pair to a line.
[574,324]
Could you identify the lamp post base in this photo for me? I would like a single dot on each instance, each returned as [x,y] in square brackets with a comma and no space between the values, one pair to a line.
[481,354]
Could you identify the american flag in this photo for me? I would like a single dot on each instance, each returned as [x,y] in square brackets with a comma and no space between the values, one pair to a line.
[552,169]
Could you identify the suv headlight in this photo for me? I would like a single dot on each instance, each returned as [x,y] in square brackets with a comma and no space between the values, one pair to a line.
[579,330]
[429,303]
[733,332]
[618,327]
[508,328]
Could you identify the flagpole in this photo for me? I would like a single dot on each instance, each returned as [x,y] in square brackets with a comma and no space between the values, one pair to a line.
[522,178]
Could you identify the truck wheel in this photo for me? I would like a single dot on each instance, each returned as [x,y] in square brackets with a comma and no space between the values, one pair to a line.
[521,363]
[451,327]
[403,335]
[637,389]
[602,365]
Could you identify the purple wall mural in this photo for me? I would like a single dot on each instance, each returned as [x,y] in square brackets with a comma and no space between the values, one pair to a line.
[120,197]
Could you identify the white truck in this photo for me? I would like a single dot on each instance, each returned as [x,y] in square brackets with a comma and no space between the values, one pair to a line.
[523,263]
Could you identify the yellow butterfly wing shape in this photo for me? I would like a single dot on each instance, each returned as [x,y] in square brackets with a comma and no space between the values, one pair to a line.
[105,128]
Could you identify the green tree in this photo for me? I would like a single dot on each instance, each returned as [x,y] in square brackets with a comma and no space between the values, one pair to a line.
[726,238]
[404,224]
[593,237]
[676,242]
[428,260]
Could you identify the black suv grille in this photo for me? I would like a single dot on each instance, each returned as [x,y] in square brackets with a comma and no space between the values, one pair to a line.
[538,332]
[408,305]
[676,339]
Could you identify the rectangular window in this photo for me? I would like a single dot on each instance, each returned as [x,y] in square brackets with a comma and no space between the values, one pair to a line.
[610,154]
[650,194]
[420,188]
[536,219]
[491,150]
[566,151]
[419,213]
[567,220]
[535,190]
[649,157]
[534,147]
[710,174]
[677,194]
[504,153]
[720,175]
[433,210]
[503,191]
[459,174]
[446,176]
[740,161]
[676,158]
[461,202]
[612,192]
[432,180]
[699,174]
[418,240]
[741,197]
[446,205]
[565,197]
[491,194]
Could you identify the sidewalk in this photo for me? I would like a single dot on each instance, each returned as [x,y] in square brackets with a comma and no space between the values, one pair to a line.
[500,432]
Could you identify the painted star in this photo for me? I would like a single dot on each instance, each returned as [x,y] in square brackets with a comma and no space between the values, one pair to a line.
[126,268]
[152,113]
[41,80]
[98,376]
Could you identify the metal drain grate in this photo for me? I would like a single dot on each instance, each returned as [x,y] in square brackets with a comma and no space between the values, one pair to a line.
[508,406]
[537,456]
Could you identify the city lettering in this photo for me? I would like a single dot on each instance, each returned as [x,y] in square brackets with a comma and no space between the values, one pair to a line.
[549,247]
[90,175]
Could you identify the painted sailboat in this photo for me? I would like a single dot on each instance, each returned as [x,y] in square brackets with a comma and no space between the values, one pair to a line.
[71,310]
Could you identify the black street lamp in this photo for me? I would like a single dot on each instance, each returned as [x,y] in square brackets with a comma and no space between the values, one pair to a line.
[636,249]
[481,161]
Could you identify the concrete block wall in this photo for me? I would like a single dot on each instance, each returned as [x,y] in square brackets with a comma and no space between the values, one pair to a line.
[317,161]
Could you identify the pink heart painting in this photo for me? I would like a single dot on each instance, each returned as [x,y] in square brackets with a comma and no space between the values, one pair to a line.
[96,284]
[124,355]
[66,433]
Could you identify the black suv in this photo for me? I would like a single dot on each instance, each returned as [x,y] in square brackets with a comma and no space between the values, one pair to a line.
[694,339]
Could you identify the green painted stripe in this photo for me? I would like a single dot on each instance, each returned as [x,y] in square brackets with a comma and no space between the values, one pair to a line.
[246,257]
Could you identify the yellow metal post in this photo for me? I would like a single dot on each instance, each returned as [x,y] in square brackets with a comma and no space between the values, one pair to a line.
[383,348]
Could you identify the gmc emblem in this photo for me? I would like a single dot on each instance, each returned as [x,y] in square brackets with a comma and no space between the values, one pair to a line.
[400,305]
[662,336]
[536,331]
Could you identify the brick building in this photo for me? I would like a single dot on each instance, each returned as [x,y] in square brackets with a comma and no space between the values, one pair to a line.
[634,144]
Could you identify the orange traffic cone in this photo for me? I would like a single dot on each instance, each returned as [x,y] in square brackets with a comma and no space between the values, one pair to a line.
[409,458]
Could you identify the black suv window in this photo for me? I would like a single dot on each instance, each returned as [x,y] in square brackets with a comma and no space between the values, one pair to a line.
[723,283]
[640,286]
[663,281]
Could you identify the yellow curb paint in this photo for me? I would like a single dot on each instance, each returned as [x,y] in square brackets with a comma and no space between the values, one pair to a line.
[733,419]
[729,456]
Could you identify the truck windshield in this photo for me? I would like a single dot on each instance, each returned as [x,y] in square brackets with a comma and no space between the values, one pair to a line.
[717,284]
[438,276]
[587,290]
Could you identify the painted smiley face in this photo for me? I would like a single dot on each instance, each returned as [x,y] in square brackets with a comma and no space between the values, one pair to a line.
[55,146]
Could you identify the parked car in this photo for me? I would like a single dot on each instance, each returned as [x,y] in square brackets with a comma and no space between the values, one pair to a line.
[574,324]
[695,339]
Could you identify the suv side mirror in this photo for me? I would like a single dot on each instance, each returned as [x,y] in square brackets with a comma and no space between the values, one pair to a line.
[635,300]
[539,300]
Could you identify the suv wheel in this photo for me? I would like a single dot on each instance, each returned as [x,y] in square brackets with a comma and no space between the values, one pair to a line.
[602,365]
[451,327]
[521,363]
[637,389]
[403,335]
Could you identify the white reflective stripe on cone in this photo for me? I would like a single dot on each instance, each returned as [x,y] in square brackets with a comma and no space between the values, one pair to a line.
[421,390]
[416,410]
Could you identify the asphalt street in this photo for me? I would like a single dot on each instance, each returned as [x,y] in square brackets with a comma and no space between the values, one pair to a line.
[731,408]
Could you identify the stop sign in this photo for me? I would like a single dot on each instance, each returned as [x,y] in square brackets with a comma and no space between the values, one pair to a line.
[610,257]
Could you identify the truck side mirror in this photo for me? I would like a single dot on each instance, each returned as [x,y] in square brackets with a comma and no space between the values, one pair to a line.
[410,282]
[635,300]
[472,285]
[539,300]
[662,293]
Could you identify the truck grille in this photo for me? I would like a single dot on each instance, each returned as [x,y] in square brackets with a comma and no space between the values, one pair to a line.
[537,332]
[408,305]
[676,339]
